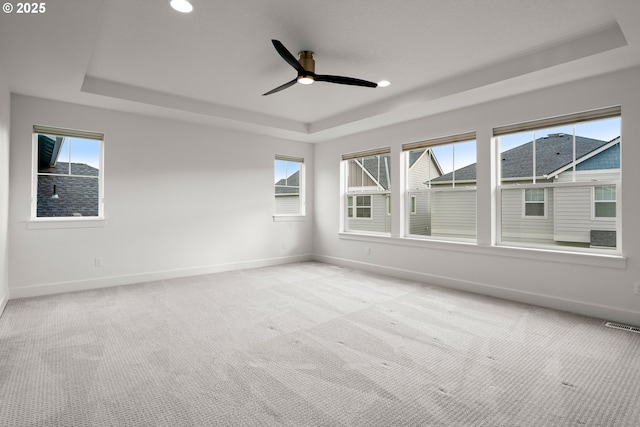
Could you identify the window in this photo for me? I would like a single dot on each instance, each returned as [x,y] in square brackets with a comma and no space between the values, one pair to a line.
[441,187]
[534,202]
[68,173]
[289,181]
[604,198]
[558,180]
[362,207]
[367,183]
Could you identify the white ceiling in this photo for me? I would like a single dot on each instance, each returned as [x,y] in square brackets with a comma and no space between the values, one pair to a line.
[211,66]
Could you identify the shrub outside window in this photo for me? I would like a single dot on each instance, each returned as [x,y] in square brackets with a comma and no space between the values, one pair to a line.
[68,173]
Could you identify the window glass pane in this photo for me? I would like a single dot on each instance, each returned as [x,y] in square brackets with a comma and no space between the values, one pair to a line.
[85,156]
[605,210]
[441,182]
[67,196]
[605,192]
[534,209]
[287,187]
[372,173]
[534,195]
[53,154]
[68,177]
[370,211]
[566,215]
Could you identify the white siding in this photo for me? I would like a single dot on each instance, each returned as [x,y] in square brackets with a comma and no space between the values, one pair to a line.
[420,222]
[453,214]
[574,207]
[590,175]
[380,221]
[421,171]
[287,205]
[516,227]
[573,215]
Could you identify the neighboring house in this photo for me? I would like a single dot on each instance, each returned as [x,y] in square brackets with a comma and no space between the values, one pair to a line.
[288,195]
[370,176]
[580,215]
[423,167]
[64,188]
[371,210]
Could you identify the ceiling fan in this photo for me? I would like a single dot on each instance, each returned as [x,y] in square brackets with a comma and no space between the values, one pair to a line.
[305,66]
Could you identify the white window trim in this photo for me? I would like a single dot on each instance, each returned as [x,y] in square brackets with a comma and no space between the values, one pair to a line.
[593,257]
[36,222]
[594,201]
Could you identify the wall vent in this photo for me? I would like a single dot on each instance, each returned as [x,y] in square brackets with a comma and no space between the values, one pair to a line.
[622,327]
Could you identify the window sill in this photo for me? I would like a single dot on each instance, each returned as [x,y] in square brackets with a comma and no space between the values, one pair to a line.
[289,218]
[550,255]
[46,224]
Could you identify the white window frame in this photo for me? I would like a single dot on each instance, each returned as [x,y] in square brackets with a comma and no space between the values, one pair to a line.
[369,191]
[37,222]
[544,202]
[572,119]
[432,189]
[301,188]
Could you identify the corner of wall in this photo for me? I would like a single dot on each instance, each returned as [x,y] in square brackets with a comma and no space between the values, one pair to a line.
[5,107]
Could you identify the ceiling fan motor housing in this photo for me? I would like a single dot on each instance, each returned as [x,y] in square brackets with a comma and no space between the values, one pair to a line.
[307,61]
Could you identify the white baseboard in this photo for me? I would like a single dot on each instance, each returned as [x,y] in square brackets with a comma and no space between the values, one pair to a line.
[128,279]
[558,303]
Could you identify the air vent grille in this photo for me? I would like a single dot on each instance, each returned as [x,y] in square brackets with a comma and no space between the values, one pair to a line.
[620,326]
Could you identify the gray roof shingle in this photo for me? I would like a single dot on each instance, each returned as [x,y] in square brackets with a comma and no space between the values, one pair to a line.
[289,185]
[371,165]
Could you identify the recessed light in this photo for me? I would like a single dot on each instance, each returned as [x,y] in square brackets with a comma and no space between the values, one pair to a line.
[384,83]
[181,6]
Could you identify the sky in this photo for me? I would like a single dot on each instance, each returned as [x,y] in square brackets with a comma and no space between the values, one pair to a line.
[604,130]
[82,151]
[285,168]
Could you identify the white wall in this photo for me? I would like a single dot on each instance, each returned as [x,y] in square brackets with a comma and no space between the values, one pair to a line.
[180,199]
[4,190]
[597,286]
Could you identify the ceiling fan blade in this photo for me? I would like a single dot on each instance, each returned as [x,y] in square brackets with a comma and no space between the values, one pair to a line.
[281,87]
[344,80]
[287,56]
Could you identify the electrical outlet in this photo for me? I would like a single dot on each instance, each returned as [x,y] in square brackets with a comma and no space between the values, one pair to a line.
[97,262]
[637,288]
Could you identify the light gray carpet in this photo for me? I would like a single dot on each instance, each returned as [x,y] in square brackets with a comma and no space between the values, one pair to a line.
[308,344]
